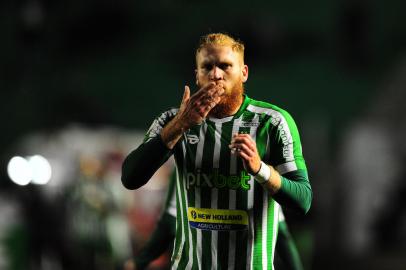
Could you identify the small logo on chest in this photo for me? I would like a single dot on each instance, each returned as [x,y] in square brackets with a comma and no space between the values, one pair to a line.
[192,139]
[249,124]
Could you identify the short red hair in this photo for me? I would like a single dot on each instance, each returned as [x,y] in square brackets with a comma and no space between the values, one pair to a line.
[220,39]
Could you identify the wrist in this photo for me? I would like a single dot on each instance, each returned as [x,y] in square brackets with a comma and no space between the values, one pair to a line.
[172,132]
[180,124]
[263,174]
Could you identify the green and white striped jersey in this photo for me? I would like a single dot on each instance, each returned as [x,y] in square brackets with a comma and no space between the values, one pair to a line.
[225,219]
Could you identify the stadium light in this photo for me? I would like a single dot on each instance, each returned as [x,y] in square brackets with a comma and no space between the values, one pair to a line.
[32,169]
[41,170]
[19,171]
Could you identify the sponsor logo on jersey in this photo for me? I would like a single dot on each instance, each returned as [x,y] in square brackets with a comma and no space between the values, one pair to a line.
[287,142]
[192,139]
[217,219]
[217,180]
[194,215]
[250,124]
[159,123]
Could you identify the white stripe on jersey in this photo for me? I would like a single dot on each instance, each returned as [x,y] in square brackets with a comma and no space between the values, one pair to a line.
[171,210]
[190,261]
[232,203]
[250,199]
[286,167]
[253,134]
[198,164]
[182,240]
[217,146]
[214,193]
[281,215]
[264,229]
[214,234]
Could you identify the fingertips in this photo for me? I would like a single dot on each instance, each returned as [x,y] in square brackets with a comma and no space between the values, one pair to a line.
[210,85]
[233,149]
[186,93]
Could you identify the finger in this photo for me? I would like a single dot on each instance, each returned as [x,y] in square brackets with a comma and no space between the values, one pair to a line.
[206,109]
[243,137]
[246,148]
[246,141]
[206,104]
[204,89]
[200,98]
[210,103]
[211,91]
[208,100]
[208,92]
[243,149]
[217,91]
[243,156]
[239,153]
[186,94]
[185,97]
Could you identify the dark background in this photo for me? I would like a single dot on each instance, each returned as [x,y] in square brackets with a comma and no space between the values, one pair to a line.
[334,65]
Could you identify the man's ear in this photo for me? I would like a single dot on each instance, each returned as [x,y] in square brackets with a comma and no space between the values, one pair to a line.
[244,72]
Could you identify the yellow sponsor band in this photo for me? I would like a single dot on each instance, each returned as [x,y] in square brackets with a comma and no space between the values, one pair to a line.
[220,216]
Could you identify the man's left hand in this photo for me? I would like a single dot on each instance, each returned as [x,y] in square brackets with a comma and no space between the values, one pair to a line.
[245,147]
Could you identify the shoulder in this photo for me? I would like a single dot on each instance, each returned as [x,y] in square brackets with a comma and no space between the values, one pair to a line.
[266,108]
[160,121]
[167,115]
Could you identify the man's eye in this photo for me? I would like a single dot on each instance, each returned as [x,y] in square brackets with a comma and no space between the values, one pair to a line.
[224,66]
[207,67]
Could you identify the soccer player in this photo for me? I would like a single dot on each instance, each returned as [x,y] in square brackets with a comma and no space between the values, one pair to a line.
[164,233]
[236,159]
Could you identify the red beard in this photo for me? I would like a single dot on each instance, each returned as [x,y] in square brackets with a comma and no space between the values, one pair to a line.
[229,103]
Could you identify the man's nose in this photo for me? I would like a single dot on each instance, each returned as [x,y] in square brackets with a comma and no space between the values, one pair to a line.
[216,74]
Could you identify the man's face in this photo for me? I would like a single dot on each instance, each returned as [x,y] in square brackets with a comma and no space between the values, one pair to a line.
[222,65]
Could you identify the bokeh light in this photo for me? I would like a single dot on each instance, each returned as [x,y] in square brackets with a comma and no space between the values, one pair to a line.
[41,169]
[19,171]
[33,169]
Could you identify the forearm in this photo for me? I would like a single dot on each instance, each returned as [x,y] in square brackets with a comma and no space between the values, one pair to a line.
[295,191]
[292,189]
[142,163]
[274,182]
[172,132]
[160,240]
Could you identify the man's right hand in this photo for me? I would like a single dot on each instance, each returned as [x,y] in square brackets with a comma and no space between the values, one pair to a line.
[193,110]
